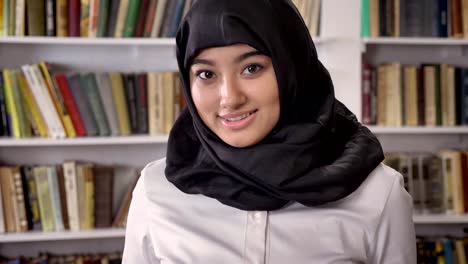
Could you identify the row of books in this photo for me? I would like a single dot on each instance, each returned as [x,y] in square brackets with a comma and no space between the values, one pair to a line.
[415,18]
[442,250]
[414,95]
[34,101]
[92,18]
[71,196]
[48,258]
[438,182]
[310,11]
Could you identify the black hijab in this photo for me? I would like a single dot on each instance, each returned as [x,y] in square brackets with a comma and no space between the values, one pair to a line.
[318,151]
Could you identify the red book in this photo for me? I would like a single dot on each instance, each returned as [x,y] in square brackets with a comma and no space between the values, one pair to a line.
[142,18]
[150,18]
[74,18]
[70,104]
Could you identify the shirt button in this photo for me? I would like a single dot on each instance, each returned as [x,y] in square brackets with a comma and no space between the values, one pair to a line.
[257,215]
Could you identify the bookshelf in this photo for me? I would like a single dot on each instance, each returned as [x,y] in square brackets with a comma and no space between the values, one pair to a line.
[414,139]
[62,236]
[339,48]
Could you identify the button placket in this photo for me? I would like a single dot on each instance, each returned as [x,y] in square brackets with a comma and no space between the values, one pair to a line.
[256,237]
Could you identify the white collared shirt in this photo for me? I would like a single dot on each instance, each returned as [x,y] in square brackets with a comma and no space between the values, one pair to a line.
[372,225]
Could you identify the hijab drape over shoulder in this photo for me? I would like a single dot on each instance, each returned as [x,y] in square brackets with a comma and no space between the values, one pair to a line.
[317,153]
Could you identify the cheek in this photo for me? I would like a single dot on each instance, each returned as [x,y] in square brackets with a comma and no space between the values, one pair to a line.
[204,101]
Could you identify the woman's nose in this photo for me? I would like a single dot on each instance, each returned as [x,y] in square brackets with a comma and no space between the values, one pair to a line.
[232,95]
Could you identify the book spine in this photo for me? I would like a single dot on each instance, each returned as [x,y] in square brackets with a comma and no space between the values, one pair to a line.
[96,104]
[20,18]
[84,18]
[81,100]
[142,18]
[142,104]
[131,19]
[93,18]
[131,101]
[112,19]
[105,92]
[50,18]
[121,15]
[61,18]
[70,104]
[45,199]
[103,18]
[150,18]
[120,104]
[74,18]
[70,175]
[4,127]
[55,195]
[32,198]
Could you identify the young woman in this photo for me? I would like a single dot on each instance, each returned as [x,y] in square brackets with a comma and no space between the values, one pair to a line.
[265,165]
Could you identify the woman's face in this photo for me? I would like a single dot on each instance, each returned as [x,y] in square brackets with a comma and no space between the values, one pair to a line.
[235,91]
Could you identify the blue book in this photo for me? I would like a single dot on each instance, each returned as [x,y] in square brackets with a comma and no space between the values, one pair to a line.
[79,94]
[178,12]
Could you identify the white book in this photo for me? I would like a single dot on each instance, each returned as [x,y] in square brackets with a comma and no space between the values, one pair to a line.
[55,195]
[60,130]
[38,96]
[71,190]
[121,15]
[93,18]
[158,19]
[20,14]
[153,103]
[105,91]
[314,17]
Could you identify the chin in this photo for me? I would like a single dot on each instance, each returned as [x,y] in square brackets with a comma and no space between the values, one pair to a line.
[240,143]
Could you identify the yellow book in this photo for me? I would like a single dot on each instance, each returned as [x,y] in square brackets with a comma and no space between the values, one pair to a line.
[32,106]
[58,101]
[84,22]
[61,18]
[120,103]
[168,95]
[11,104]
[88,196]
[1,19]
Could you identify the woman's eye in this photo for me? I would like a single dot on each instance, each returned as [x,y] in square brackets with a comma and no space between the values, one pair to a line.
[253,68]
[205,75]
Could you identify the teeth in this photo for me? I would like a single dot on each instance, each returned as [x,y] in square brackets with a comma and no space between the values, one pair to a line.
[233,119]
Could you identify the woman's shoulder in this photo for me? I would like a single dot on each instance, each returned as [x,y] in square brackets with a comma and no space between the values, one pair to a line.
[382,193]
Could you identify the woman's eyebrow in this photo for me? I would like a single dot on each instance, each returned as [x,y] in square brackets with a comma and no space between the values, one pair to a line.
[247,55]
[203,61]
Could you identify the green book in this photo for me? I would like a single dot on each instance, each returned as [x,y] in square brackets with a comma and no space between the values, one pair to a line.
[24,124]
[365,21]
[103,18]
[5,17]
[95,101]
[11,17]
[132,18]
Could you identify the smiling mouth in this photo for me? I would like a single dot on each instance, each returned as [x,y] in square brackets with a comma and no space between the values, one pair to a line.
[239,118]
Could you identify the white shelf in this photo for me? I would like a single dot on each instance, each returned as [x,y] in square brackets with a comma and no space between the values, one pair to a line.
[414,41]
[419,130]
[65,235]
[89,41]
[100,41]
[440,219]
[84,141]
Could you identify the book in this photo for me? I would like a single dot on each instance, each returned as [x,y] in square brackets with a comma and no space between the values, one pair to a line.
[74,18]
[97,108]
[32,207]
[105,92]
[103,194]
[112,20]
[71,187]
[81,99]
[70,105]
[45,198]
[61,18]
[120,104]
[51,15]
[84,18]
[131,19]
[121,16]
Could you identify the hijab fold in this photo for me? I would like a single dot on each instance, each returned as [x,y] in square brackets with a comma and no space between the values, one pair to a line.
[317,153]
